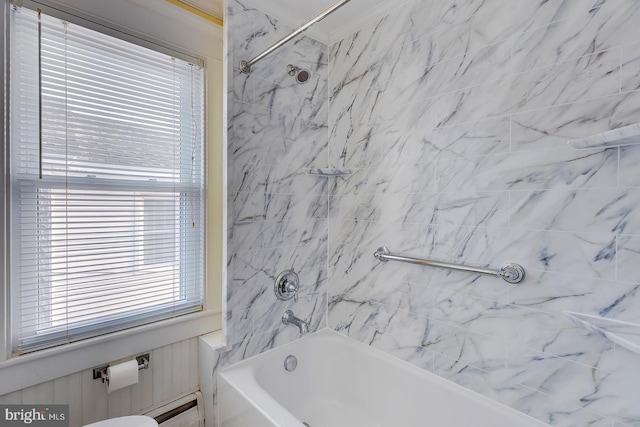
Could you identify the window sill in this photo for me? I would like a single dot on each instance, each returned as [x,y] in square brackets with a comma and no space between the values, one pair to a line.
[24,371]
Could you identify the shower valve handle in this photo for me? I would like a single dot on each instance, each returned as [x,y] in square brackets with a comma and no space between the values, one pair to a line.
[287,285]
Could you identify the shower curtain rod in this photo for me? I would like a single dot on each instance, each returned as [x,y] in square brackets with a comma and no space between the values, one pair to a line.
[245,66]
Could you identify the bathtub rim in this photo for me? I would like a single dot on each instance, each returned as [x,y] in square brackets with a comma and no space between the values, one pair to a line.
[245,370]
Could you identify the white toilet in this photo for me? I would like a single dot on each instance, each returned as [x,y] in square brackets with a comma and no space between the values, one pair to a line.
[130,421]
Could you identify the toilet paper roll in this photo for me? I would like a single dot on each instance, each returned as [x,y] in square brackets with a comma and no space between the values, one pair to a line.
[122,375]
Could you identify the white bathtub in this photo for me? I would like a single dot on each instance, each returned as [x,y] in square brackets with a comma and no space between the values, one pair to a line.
[340,382]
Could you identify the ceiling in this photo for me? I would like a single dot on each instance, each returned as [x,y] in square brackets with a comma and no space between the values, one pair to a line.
[212,7]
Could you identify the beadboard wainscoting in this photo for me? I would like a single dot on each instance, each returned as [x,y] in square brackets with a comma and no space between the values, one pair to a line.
[172,373]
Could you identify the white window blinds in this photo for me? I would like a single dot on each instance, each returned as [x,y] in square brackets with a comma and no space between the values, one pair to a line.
[107,183]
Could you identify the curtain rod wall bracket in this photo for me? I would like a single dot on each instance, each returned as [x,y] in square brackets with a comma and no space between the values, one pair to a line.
[244,67]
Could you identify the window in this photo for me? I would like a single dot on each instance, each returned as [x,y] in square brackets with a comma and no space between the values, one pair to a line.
[107,183]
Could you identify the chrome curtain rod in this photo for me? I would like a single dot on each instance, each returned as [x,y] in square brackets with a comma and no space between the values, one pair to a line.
[245,66]
[512,273]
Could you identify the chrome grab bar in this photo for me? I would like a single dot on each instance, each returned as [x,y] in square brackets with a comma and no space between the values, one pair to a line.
[512,273]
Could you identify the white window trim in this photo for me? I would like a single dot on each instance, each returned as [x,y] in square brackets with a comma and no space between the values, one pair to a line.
[31,369]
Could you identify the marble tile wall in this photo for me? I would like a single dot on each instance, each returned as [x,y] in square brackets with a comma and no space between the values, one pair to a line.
[454,116]
[278,212]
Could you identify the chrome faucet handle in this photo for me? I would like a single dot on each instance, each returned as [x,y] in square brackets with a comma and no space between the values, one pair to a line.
[287,285]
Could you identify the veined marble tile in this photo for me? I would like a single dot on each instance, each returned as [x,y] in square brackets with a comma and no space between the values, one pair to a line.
[465,245]
[630,65]
[596,210]
[575,30]
[408,65]
[555,211]
[352,105]
[241,19]
[629,171]
[394,328]
[363,317]
[376,150]
[587,77]
[281,207]
[411,21]
[248,121]
[568,382]
[543,169]
[553,127]
[244,236]
[460,309]
[310,307]
[463,348]
[448,284]
[472,104]
[556,412]
[368,207]
[536,404]
[491,63]
[552,334]
[628,256]
[288,156]
[554,293]
[242,87]
[462,209]
[588,254]
[279,180]
[615,397]
[307,254]
[239,324]
[275,89]
[385,287]
[579,254]
[267,30]
[468,26]
[356,56]
[490,136]
[454,12]
[261,342]
[393,179]
[384,282]
[290,233]
[369,235]
[376,110]
[306,257]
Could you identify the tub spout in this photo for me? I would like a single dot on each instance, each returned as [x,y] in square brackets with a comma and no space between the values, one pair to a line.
[288,318]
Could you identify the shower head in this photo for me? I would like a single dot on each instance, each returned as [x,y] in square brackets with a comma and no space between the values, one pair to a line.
[300,74]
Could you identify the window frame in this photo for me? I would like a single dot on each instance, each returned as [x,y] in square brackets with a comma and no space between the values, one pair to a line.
[28,370]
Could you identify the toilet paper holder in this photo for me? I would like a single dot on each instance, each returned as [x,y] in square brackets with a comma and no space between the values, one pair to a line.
[101,372]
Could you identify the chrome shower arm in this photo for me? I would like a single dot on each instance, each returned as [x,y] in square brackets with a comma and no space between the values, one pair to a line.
[245,66]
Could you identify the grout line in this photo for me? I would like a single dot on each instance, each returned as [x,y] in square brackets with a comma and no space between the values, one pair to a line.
[618,167]
[620,70]
[617,243]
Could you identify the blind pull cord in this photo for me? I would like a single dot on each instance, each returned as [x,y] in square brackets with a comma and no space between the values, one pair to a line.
[39,93]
